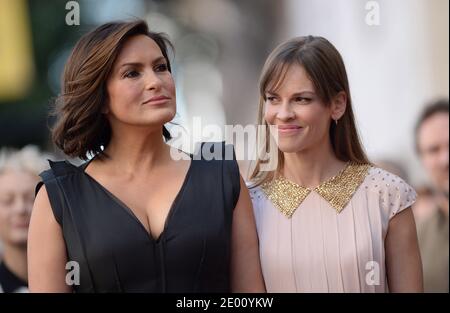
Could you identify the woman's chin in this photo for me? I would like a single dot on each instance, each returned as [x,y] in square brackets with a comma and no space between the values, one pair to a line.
[289,146]
[155,120]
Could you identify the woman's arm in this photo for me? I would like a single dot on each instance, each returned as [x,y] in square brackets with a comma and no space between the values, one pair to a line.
[403,262]
[46,249]
[246,274]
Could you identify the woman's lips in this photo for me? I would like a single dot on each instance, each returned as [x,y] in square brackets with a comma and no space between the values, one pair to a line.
[289,129]
[156,100]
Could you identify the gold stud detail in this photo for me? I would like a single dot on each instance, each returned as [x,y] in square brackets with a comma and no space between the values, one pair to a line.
[285,195]
[337,191]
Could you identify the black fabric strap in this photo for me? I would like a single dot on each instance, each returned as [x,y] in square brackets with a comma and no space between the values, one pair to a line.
[50,180]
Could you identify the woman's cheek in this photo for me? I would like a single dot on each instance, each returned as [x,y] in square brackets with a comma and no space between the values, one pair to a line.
[269,114]
[170,85]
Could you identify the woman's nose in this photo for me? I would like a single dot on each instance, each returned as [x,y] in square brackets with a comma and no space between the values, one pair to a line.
[285,112]
[152,81]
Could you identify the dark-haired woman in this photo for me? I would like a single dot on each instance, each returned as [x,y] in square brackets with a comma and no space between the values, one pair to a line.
[132,219]
[327,220]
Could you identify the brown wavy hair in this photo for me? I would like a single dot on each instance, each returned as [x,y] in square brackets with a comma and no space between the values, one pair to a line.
[326,69]
[81,128]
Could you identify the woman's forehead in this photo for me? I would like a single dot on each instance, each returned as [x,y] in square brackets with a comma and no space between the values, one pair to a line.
[293,75]
[137,48]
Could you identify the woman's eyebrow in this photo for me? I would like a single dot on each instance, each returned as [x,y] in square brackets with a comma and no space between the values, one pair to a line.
[159,59]
[296,94]
[131,64]
[137,64]
[303,93]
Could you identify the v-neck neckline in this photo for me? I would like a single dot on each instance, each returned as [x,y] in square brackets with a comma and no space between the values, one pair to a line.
[127,208]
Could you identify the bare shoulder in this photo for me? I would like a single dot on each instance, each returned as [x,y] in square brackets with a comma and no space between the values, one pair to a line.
[41,197]
[43,223]
[42,206]
[42,217]
[403,221]
[46,248]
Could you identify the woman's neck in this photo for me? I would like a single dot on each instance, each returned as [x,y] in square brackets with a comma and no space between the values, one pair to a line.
[15,259]
[309,168]
[137,150]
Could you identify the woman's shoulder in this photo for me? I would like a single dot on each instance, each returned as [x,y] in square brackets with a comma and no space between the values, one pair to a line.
[214,151]
[381,179]
[257,195]
[59,168]
[255,191]
[216,158]
[217,169]
[56,169]
[392,192]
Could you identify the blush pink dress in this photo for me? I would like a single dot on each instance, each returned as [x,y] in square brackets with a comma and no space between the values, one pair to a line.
[321,250]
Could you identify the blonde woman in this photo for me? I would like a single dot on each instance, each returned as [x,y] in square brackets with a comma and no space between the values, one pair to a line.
[327,220]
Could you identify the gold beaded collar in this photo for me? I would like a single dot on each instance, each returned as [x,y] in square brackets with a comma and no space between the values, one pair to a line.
[338,190]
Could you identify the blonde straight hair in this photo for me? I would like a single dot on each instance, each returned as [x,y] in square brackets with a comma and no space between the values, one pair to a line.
[326,69]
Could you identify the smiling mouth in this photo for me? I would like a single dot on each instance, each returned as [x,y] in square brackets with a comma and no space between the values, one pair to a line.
[287,129]
[157,100]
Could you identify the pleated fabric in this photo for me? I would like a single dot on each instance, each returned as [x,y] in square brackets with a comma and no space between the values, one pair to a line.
[320,250]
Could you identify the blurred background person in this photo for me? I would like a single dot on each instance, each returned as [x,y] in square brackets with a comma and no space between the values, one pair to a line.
[424,205]
[19,171]
[432,139]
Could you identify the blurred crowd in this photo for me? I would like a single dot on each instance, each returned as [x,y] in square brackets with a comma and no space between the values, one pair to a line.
[19,170]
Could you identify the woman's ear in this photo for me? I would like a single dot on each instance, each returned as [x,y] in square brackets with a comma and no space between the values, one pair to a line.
[338,105]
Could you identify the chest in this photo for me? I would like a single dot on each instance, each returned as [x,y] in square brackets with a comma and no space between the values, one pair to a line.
[144,196]
[148,200]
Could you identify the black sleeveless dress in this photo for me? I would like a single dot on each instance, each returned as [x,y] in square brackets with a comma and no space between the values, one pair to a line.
[115,252]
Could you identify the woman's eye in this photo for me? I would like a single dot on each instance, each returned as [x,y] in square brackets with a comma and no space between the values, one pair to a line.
[270,98]
[161,67]
[131,74]
[302,99]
